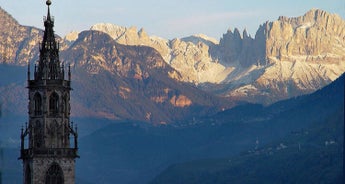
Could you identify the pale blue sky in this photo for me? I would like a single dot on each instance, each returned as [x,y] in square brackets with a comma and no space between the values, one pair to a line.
[165,18]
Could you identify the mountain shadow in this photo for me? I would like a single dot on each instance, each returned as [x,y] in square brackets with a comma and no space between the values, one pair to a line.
[310,153]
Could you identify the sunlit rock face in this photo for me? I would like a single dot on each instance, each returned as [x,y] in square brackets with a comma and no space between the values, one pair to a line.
[287,57]
[190,56]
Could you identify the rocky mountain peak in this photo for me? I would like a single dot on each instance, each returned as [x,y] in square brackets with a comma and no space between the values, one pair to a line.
[189,55]
[123,35]
[314,15]
[195,39]
[72,36]
[237,33]
[313,36]
[131,36]
[287,57]
[245,33]
[236,49]
[17,43]
[6,18]
[113,30]
[131,82]
[142,33]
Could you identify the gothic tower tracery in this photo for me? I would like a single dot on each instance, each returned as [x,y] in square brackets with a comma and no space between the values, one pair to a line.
[49,142]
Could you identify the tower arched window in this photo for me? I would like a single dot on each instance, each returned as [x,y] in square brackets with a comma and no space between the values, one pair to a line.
[54,103]
[54,175]
[37,104]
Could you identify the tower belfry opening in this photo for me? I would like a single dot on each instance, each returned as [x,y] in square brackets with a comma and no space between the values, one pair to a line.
[46,149]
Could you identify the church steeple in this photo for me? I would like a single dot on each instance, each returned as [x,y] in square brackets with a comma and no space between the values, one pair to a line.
[49,66]
[47,148]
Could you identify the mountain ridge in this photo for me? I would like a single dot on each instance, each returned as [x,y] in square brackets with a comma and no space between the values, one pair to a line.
[237,68]
[307,51]
[119,82]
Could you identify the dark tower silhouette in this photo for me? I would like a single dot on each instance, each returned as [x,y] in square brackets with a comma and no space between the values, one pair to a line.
[46,151]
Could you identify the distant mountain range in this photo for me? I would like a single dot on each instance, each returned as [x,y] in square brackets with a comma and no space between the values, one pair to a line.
[173,101]
[132,82]
[121,73]
[110,80]
[286,58]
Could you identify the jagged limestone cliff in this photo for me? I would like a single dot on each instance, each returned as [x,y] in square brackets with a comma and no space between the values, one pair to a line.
[287,57]
[190,56]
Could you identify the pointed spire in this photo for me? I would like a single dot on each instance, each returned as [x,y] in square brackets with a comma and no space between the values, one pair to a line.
[49,38]
[48,4]
[49,66]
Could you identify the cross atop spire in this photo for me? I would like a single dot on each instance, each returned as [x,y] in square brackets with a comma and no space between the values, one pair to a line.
[49,66]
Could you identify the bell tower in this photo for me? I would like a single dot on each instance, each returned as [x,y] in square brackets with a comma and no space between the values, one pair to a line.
[49,142]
